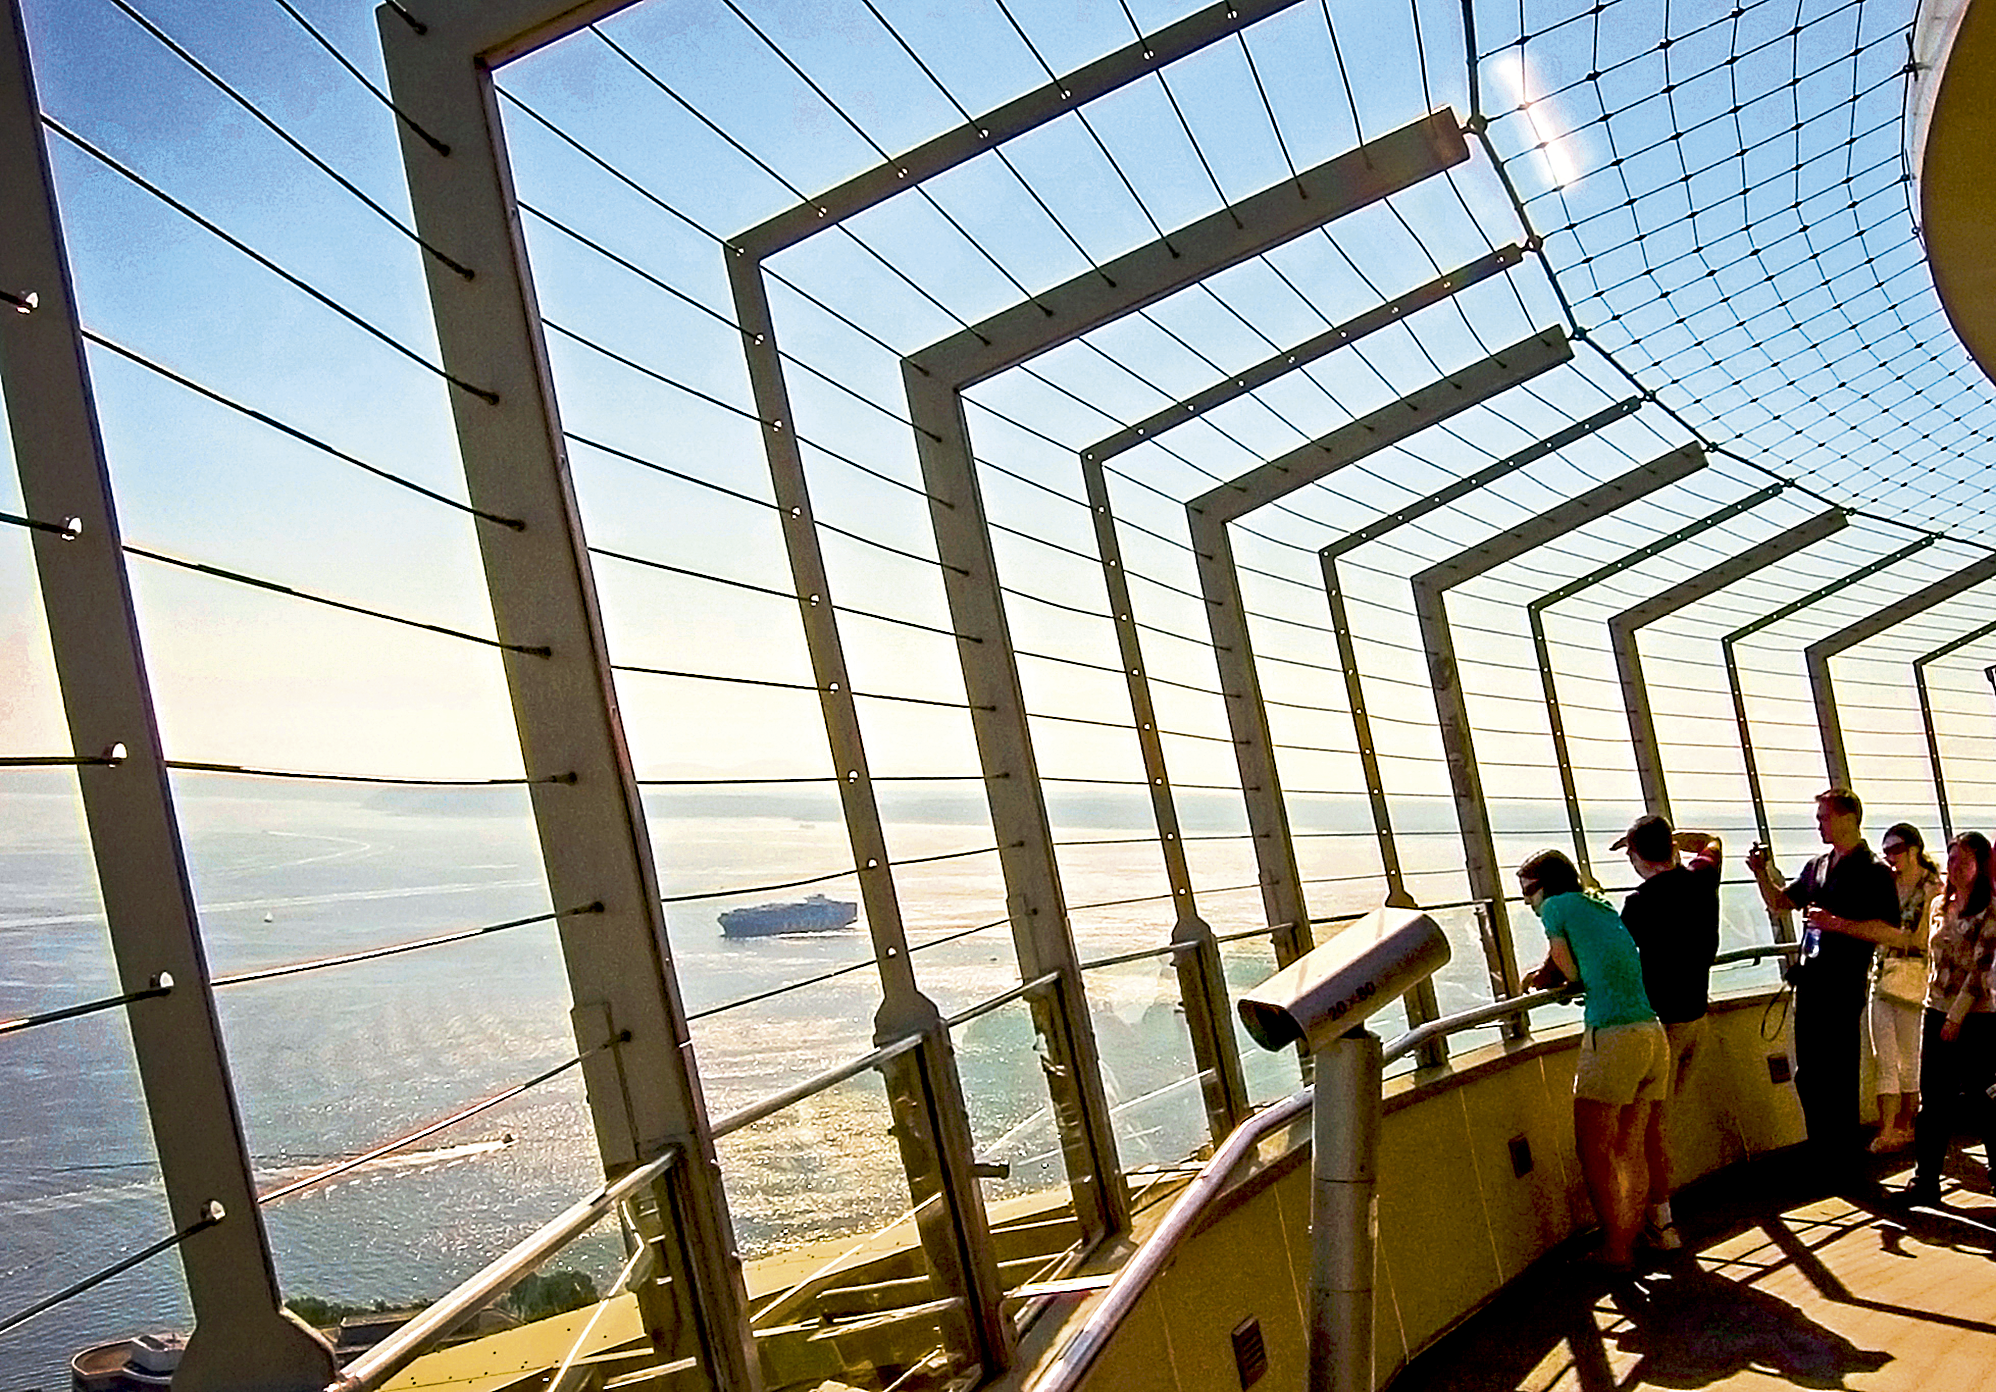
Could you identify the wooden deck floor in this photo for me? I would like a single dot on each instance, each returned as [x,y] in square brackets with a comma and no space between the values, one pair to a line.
[1850,1291]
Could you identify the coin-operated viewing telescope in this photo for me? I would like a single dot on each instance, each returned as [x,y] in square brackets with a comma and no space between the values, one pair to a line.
[1322,1001]
[1338,987]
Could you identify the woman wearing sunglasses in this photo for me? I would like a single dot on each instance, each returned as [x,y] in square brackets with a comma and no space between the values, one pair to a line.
[1899,988]
[1624,1063]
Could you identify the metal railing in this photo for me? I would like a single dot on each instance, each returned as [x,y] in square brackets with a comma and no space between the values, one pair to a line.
[396,1352]
[1099,1328]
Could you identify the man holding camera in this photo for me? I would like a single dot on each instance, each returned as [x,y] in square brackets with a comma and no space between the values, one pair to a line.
[1674,917]
[1851,903]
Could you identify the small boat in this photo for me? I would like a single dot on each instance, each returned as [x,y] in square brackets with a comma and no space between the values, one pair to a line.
[816,914]
[147,1361]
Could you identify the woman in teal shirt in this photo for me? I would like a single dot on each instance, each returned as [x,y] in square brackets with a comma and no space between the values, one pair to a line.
[1624,1059]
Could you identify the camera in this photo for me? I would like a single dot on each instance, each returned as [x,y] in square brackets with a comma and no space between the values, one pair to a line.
[1336,988]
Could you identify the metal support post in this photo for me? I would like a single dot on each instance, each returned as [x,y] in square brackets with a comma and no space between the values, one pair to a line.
[1819,653]
[748,255]
[1094,471]
[1344,1215]
[1623,627]
[1361,729]
[1208,517]
[1424,1006]
[243,1341]
[1201,981]
[1214,1048]
[644,1095]
[1431,589]
[932,1128]
[935,379]
[1784,922]
[1328,558]
[947,1196]
[1927,719]
[1202,994]
[1542,650]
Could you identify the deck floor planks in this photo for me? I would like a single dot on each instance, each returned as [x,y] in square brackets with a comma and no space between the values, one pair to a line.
[1852,1292]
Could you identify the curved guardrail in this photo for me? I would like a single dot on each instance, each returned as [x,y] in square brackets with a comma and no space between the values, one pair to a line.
[1064,1374]
[389,1357]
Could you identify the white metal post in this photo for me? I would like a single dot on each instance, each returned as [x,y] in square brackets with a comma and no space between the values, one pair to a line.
[243,1340]
[644,1093]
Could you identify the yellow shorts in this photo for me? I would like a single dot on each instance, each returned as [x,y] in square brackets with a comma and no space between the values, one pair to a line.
[1686,1039]
[1621,1064]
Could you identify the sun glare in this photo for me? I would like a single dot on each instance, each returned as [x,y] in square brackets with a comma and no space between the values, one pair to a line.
[1552,146]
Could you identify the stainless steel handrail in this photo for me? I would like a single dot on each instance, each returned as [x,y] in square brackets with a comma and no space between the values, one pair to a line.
[1470,1019]
[1088,1342]
[1081,1351]
[412,1340]
[816,1083]
[1531,1000]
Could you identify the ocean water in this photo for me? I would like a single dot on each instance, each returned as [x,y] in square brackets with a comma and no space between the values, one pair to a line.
[331,1063]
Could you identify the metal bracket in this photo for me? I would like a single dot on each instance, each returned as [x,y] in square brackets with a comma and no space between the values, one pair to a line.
[1542,652]
[1431,589]
[592,828]
[1226,613]
[1818,654]
[1628,657]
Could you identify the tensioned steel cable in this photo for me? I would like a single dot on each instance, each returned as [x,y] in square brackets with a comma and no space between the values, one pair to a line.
[333,49]
[775,684]
[263,118]
[303,437]
[403,1142]
[275,588]
[209,1218]
[747,890]
[388,779]
[160,987]
[67,531]
[764,503]
[295,281]
[372,954]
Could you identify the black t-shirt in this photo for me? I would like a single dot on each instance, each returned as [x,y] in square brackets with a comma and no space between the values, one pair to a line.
[1674,918]
[1858,886]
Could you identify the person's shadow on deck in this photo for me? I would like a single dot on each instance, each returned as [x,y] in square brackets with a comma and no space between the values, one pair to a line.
[1694,1328]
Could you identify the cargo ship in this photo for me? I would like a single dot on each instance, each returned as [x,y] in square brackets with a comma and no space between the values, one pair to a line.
[815,914]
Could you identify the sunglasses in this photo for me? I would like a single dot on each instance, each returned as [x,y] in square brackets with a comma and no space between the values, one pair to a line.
[1896,848]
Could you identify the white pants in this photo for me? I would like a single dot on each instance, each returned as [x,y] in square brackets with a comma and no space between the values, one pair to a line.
[1895,1040]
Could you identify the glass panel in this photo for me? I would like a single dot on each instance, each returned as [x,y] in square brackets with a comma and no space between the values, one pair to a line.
[78,1193]
[1155,1093]
[1004,1065]
[841,1288]
[1464,983]
[579,1308]
[1271,1077]
[1743,922]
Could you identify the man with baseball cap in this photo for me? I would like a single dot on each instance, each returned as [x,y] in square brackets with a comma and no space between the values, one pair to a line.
[1674,917]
